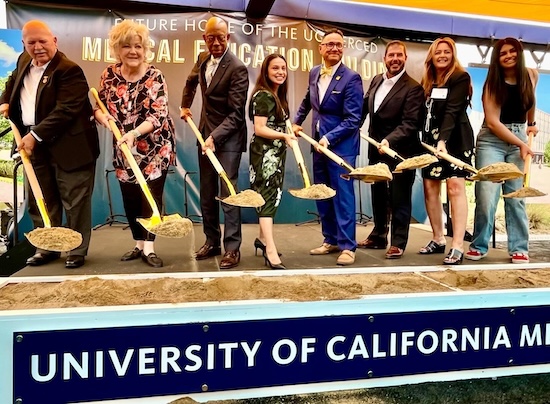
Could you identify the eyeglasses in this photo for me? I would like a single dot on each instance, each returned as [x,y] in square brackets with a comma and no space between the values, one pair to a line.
[330,45]
[212,38]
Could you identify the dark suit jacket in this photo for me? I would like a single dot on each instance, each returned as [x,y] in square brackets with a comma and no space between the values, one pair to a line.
[397,119]
[63,112]
[338,113]
[449,115]
[223,102]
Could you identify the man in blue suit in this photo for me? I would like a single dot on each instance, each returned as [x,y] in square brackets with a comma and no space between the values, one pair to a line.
[335,95]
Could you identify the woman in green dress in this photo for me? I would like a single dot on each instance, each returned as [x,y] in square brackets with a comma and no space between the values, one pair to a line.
[268,110]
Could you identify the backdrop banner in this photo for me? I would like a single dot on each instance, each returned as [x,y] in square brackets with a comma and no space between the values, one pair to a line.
[83,36]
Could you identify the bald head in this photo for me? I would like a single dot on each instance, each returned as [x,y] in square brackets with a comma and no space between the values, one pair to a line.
[39,42]
[216,36]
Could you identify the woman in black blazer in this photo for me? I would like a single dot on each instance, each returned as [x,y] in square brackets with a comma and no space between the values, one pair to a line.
[448,90]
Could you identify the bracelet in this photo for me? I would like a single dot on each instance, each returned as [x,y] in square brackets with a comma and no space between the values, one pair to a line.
[532,123]
[135,132]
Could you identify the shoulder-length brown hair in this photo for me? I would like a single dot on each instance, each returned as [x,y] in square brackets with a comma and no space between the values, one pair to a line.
[495,85]
[264,83]
[430,78]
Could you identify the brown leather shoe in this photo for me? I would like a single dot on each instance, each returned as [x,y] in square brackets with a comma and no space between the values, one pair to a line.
[374,245]
[230,259]
[324,248]
[394,252]
[207,251]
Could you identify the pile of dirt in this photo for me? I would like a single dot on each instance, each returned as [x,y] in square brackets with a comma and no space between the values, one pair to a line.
[299,288]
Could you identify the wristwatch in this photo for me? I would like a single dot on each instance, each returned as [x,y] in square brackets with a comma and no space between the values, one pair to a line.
[532,123]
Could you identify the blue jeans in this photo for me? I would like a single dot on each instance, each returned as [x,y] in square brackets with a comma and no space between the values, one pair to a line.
[490,149]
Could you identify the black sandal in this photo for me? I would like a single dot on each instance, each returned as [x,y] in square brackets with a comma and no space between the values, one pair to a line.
[433,248]
[454,257]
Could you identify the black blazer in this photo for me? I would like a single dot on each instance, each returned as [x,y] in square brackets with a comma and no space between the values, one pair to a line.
[397,119]
[223,102]
[449,119]
[63,114]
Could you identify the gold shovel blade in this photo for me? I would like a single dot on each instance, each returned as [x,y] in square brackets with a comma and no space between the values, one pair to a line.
[244,199]
[171,226]
[59,239]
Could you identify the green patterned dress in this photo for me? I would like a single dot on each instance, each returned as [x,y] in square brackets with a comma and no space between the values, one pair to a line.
[267,157]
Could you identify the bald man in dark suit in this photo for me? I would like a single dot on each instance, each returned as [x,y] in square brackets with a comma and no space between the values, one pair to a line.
[46,97]
[223,79]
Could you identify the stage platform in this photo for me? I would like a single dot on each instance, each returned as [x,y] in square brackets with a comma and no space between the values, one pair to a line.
[294,242]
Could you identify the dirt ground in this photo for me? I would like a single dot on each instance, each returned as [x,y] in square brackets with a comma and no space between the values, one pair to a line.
[102,292]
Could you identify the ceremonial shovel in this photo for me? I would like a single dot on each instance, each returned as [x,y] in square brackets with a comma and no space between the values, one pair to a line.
[315,191]
[526,191]
[48,238]
[244,199]
[493,177]
[169,226]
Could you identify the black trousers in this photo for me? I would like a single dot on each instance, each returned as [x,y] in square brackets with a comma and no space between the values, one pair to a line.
[136,205]
[211,184]
[69,192]
[392,200]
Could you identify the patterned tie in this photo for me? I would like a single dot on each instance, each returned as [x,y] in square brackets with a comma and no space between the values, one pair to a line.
[326,71]
[210,70]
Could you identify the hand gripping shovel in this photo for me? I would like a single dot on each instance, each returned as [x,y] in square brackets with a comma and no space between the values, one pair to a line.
[47,238]
[245,199]
[412,163]
[493,172]
[526,191]
[352,172]
[315,191]
[173,226]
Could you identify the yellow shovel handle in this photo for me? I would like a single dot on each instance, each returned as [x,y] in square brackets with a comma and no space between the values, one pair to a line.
[155,219]
[31,177]
[212,157]
[329,153]
[450,159]
[527,165]
[390,152]
[300,161]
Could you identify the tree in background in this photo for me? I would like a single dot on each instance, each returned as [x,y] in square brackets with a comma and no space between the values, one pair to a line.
[6,141]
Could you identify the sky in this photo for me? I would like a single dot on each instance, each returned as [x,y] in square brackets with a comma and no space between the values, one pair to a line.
[10,48]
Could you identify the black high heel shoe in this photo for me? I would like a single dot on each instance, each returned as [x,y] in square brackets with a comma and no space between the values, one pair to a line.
[433,248]
[258,245]
[272,266]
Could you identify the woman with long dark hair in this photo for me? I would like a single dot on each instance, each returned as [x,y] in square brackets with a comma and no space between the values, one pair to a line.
[508,103]
[448,90]
[268,109]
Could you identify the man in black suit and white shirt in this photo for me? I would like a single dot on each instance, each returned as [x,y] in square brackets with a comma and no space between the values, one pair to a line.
[394,104]
[46,97]
[224,86]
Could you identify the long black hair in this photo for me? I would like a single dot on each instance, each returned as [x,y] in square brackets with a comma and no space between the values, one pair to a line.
[495,85]
[264,83]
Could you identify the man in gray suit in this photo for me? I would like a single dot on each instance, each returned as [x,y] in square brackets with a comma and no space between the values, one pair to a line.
[224,86]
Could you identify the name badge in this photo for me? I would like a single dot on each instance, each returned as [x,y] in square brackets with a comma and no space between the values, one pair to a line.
[439,93]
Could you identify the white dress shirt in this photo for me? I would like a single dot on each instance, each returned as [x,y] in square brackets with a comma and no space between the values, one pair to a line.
[385,88]
[29,89]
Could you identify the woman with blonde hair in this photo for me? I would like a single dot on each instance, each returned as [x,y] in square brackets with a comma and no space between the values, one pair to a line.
[448,90]
[136,97]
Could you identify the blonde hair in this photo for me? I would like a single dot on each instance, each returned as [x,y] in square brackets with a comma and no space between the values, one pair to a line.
[429,79]
[124,33]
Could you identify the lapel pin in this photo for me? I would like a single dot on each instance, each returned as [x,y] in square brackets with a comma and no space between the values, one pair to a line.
[338,77]
[45,79]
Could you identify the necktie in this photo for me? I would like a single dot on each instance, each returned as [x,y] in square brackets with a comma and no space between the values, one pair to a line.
[326,71]
[210,70]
